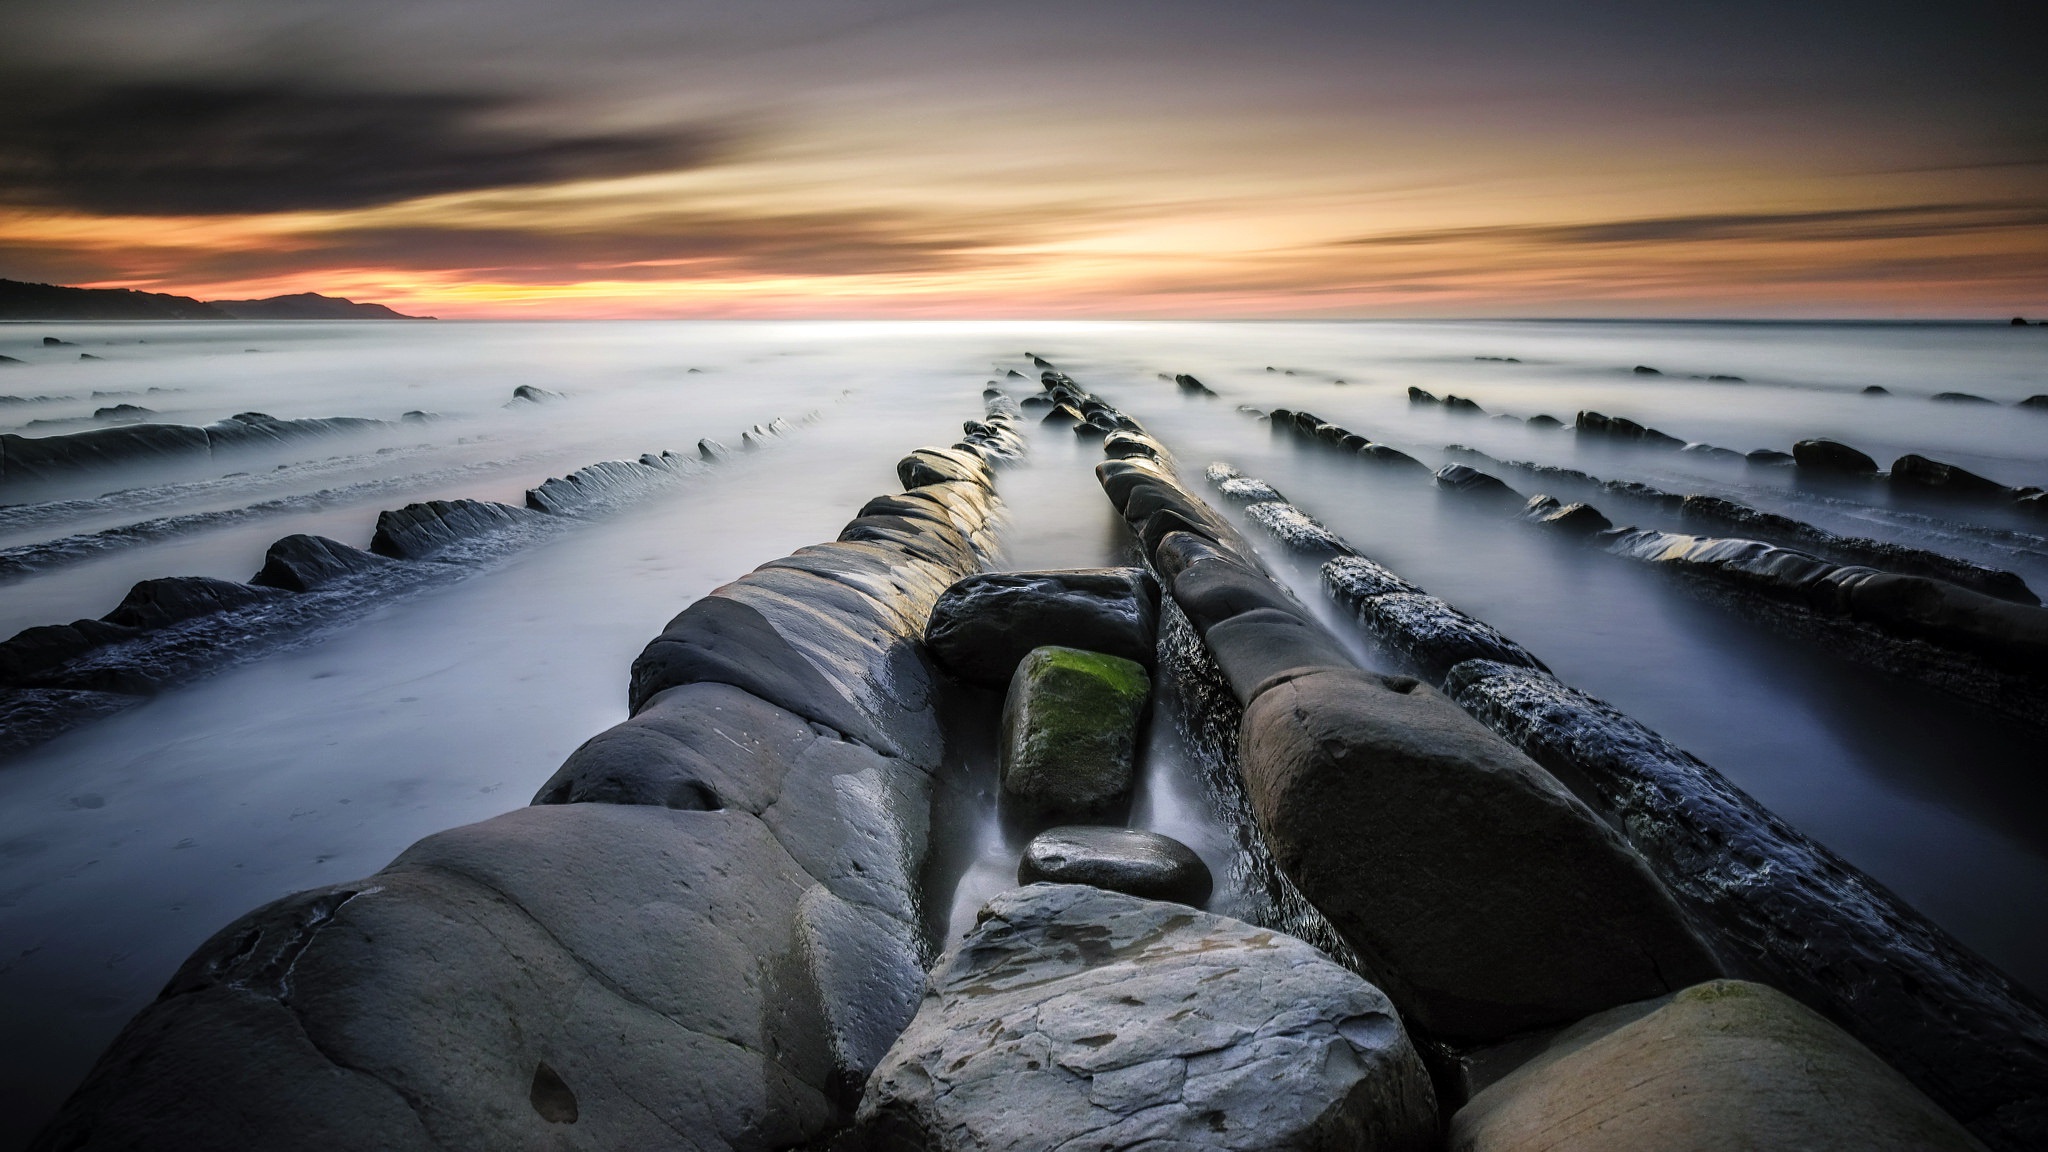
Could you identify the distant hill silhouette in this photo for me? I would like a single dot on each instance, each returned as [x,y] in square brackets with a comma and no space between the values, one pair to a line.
[308,306]
[19,301]
[22,301]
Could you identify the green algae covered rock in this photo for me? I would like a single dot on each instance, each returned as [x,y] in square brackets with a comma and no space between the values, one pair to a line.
[1069,732]
[1725,1065]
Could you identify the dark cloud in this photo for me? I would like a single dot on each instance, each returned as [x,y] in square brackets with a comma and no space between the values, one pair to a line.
[213,148]
[1897,223]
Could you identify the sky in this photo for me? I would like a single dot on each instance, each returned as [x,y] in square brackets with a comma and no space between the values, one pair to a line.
[918,158]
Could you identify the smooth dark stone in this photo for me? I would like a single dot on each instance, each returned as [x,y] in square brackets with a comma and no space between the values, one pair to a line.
[2040,401]
[1419,396]
[1254,648]
[1570,519]
[1215,589]
[1143,864]
[1381,454]
[1542,421]
[1876,390]
[1469,481]
[170,599]
[534,395]
[1920,472]
[984,625]
[1962,398]
[1646,370]
[1488,899]
[1832,456]
[417,531]
[301,563]
[1769,457]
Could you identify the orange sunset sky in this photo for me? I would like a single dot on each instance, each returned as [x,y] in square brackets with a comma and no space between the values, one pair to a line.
[635,158]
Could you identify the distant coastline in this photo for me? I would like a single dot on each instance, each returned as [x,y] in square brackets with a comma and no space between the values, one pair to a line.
[24,301]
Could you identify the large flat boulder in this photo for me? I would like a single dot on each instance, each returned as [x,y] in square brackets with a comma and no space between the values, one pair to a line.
[1080,1019]
[984,625]
[479,993]
[1485,897]
[1725,1066]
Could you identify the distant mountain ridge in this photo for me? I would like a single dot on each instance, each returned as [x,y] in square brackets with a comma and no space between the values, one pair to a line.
[24,301]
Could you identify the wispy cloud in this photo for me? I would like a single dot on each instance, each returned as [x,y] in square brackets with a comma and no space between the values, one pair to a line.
[1843,224]
[179,148]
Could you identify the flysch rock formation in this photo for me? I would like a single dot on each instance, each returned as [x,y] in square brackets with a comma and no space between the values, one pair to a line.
[1989,648]
[1085,1020]
[703,934]
[169,630]
[1349,775]
[25,459]
[1713,512]
[1775,905]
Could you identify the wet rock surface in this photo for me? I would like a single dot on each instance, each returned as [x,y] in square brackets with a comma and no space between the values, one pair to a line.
[1069,733]
[301,563]
[1075,1018]
[1125,860]
[1726,1064]
[1798,915]
[1832,456]
[723,886]
[983,626]
[1487,898]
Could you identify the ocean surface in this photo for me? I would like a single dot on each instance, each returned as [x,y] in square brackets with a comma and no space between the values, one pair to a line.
[126,843]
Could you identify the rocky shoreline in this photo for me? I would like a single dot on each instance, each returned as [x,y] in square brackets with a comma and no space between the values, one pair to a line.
[169,630]
[711,928]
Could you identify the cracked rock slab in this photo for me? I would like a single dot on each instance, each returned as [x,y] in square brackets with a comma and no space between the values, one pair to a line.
[1081,1019]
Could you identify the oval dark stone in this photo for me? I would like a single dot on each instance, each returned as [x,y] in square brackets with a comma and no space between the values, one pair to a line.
[1120,859]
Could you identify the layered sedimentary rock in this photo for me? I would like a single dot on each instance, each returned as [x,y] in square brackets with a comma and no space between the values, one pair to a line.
[1726,1064]
[1080,1019]
[1796,914]
[1477,915]
[676,946]
[1775,904]
[29,458]
[56,677]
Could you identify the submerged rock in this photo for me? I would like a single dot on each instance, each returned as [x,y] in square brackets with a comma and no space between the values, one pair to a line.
[168,600]
[1831,456]
[1090,1021]
[2040,401]
[417,531]
[1769,458]
[1469,481]
[1069,732]
[529,394]
[1920,472]
[1962,398]
[985,625]
[1569,519]
[301,563]
[1725,1064]
[1125,860]
[1486,898]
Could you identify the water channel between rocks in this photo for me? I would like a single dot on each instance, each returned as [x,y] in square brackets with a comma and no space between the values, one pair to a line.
[124,844]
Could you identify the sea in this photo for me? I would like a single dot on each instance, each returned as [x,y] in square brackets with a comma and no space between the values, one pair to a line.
[127,842]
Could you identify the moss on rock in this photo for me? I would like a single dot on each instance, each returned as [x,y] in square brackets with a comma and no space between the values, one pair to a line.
[1069,732]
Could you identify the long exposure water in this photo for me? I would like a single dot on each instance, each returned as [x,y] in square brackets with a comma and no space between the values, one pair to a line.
[126,843]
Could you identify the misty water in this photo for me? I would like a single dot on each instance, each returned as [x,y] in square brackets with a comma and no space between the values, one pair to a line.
[126,843]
